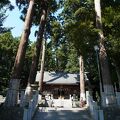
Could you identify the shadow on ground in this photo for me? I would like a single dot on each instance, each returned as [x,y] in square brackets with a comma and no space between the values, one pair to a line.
[11,113]
[62,115]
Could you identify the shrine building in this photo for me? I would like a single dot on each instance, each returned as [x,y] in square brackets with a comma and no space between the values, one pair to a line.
[60,84]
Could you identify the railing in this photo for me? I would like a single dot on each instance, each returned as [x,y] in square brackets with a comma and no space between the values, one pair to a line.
[109,99]
[21,98]
[118,98]
[95,111]
[30,110]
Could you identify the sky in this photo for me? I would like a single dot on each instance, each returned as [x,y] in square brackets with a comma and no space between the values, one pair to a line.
[13,20]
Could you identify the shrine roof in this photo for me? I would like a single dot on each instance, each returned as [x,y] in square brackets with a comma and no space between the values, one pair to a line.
[59,78]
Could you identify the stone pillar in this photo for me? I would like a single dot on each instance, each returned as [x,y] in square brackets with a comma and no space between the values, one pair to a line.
[12,93]
[109,95]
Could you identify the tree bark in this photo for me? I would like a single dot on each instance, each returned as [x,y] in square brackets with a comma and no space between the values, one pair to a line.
[82,80]
[11,98]
[36,55]
[118,74]
[42,66]
[107,83]
[35,59]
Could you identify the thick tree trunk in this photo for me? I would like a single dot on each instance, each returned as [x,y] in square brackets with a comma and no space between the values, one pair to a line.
[82,80]
[11,98]
[36,55]
[56,60]
[42,66]
[35,59]
[107,84]
[118,74]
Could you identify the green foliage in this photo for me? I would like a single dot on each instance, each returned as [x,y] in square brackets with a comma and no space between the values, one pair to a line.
[56,32]
[23,6]
[112,3]
[2,18]
[4,5]
[71,32]
[72,65]
[8,49]
[82,35]
[76,34]
[111,25]
[81,32]
[80,29]
[49,58]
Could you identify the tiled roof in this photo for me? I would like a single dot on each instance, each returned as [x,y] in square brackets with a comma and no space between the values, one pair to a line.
[59,78]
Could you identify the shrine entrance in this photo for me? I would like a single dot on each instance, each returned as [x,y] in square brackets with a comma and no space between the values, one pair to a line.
[60,84]
[61,93]
[58,91]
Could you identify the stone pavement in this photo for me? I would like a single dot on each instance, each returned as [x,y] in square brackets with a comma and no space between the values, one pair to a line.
[111,113]
[47,113]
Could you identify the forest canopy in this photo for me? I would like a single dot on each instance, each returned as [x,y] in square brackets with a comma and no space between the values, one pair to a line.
[70,31]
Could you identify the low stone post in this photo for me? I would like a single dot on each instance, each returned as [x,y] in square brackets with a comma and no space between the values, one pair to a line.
[87,97]
[101,115]
[22,98]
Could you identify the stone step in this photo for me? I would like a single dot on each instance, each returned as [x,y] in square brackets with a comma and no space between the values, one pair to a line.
[62,103]
[62,114]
